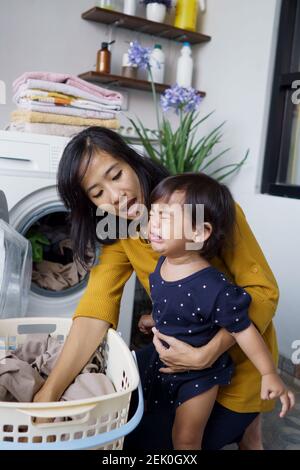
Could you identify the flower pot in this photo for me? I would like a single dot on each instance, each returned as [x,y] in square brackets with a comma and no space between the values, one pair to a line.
[156,12]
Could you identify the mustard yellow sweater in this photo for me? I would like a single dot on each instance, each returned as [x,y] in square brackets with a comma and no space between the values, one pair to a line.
[245,265]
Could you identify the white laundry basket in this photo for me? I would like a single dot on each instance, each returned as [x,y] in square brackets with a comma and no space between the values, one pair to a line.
[94,423]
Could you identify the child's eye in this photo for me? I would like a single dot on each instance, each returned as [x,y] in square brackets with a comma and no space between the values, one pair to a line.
[117,176]
[99,194]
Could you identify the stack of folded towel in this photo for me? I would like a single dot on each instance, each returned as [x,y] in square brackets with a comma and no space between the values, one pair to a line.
[62,104]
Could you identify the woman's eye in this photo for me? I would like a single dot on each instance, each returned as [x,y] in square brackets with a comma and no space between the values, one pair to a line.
[117,175]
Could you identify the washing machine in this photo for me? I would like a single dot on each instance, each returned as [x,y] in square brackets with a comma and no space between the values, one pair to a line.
[28,167]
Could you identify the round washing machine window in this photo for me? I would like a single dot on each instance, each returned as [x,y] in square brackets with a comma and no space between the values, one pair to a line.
[58,282]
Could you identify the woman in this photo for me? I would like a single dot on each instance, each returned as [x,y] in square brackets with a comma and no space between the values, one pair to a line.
[98,169]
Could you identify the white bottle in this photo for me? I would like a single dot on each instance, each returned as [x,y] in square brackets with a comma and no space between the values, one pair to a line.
[157,64]
[129,7]
[185,67]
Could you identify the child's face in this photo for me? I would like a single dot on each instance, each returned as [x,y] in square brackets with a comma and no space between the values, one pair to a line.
[169,226]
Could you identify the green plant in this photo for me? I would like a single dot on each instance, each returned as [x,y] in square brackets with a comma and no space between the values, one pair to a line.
[181,149]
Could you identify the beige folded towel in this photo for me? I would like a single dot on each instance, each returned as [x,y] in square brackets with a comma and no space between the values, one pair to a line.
[34,116]
[45,128]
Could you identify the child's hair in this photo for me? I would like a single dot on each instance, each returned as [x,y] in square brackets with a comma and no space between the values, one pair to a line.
[219,206]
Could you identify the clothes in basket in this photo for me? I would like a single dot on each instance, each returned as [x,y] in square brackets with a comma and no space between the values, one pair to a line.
[23,372]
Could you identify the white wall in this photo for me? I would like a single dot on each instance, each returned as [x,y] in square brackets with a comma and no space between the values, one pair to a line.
[236,71]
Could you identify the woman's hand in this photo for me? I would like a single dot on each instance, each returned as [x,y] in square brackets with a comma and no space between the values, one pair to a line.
[273,387]
[146,324]
[44,395]
[180,356]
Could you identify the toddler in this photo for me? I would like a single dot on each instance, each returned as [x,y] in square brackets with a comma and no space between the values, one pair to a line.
[192,300]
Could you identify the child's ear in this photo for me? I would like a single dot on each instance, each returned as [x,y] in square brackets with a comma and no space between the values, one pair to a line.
[200,235]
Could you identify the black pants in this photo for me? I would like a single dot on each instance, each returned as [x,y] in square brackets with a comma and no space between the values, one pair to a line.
[155,429]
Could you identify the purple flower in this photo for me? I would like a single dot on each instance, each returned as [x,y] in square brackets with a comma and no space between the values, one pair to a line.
[168,3]
[138,55]
[180,98]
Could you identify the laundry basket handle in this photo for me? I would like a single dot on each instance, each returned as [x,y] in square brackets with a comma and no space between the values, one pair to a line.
[58,412]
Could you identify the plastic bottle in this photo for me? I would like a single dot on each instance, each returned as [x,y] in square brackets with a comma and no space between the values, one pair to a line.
[157,64]
[129,7]
[104,58]
[114,5]
[185,65]
[186,14]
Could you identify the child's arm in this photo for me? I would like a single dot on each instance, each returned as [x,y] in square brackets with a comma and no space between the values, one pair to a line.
[253,345]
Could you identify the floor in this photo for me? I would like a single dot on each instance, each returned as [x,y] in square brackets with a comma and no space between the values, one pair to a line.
[281,433]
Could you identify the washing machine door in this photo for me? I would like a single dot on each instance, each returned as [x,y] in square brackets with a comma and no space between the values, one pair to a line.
[3,207]
[15,270]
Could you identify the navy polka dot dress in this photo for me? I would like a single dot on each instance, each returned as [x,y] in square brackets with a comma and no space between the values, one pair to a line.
[193,310]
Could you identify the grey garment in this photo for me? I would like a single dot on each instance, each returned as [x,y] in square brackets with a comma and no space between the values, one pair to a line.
[18,380]
[23,373]
[88,385]
[45,362]
[41,351]
[36,345]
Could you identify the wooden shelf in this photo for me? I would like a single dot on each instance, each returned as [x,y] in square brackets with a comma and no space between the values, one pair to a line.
[142,25]
[119,80]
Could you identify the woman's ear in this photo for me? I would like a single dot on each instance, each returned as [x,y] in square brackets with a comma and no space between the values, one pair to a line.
[200,235]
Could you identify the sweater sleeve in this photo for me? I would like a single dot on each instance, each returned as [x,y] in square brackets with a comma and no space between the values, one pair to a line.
[105,285]
[250,270]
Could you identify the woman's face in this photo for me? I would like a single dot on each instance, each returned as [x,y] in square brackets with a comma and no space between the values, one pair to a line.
[112,185]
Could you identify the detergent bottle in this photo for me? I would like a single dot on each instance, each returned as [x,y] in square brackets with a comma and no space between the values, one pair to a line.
[186,13]
[184,72]
[157,64]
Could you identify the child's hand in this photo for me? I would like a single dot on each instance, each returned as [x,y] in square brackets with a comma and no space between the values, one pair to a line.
[273,387]
[146,324]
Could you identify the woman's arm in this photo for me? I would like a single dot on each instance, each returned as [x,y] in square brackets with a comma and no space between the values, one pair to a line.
[85,336]
[102,297]
[97,310]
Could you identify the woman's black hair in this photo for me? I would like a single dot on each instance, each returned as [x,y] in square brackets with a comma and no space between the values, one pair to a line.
[219,206]
[82,212]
